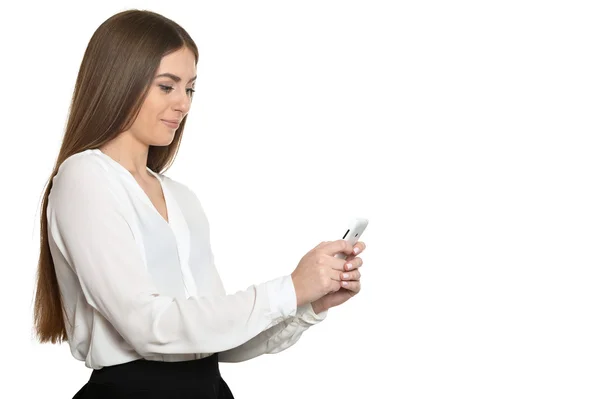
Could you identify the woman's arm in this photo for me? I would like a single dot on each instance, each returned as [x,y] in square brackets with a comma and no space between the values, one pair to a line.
[87,227]
[277,338]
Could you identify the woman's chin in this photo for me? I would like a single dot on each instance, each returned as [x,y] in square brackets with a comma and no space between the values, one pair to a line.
[163,141]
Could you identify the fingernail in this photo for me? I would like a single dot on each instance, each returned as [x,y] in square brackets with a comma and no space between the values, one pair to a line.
[348,266]
[345,275]
[344,283]
[356,250]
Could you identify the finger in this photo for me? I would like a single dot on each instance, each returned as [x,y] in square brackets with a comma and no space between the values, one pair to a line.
[353,264]
[356,249]
[353,286]
[344,265]
[350,276]
[335,275]
[322,244]
[338,246]
[335,285]
[361,247]
[349,258]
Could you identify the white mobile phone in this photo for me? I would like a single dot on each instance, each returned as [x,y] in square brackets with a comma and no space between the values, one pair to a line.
[355,229]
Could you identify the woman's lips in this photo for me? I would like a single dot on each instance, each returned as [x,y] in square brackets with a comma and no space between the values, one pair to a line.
[172,125]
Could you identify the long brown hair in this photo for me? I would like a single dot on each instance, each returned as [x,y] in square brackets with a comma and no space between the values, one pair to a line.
[114,78]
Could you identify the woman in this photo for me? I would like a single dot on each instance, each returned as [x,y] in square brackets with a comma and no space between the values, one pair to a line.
[126,271]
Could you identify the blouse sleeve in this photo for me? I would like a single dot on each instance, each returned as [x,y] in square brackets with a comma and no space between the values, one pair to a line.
[277,338]
[88,226]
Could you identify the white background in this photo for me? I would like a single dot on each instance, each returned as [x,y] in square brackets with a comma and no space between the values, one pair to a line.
[465,131]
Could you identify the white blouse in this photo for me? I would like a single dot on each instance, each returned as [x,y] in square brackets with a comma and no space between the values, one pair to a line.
[136,286]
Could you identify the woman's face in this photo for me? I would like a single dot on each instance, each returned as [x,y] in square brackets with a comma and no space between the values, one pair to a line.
[169,99]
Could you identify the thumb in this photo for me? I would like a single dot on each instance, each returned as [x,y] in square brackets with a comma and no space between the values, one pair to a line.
[338,246]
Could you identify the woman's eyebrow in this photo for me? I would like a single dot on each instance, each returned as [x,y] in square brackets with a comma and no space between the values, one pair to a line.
[175,77]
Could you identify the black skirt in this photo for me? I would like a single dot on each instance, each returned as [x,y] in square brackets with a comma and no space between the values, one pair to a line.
[198,379]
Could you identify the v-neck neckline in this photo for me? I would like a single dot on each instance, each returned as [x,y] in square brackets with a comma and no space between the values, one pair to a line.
[140,190]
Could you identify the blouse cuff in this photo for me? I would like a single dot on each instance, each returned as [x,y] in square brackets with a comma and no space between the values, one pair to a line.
[307,314]
[282,297]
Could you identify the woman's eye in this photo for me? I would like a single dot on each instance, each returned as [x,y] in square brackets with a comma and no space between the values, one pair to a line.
[168,89]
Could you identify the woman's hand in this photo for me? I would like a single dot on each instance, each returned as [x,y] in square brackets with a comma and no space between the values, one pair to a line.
[350,283]
[319,271]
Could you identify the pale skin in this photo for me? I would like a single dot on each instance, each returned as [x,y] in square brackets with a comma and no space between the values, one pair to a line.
[343,275]
[320,278]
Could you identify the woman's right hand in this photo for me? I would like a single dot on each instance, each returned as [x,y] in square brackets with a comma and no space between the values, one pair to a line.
[318,272]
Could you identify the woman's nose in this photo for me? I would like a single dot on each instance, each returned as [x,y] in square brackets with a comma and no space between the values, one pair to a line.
[183,103]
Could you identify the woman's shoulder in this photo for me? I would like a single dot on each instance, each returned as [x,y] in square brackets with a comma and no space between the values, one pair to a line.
[82,174]
[83,164]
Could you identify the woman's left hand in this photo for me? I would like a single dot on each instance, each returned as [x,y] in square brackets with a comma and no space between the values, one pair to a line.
[351,277]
